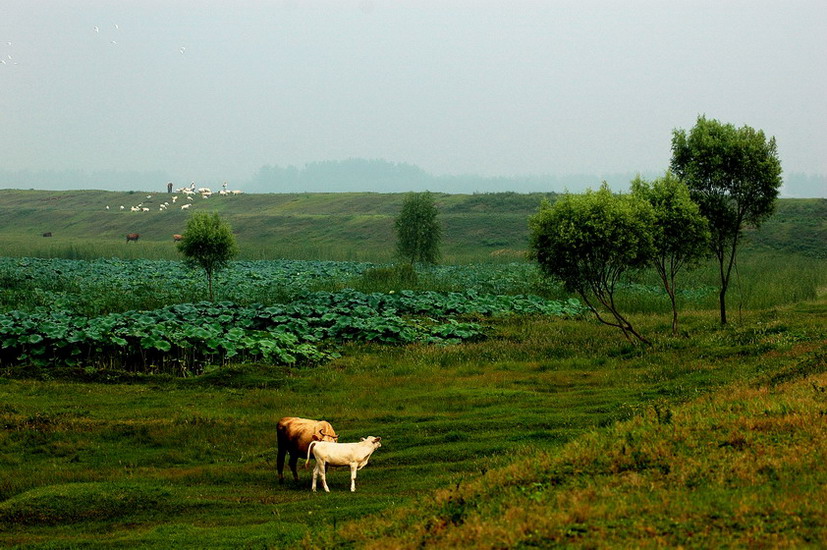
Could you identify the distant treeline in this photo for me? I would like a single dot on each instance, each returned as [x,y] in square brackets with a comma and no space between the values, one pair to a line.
[357,175]
[391,177]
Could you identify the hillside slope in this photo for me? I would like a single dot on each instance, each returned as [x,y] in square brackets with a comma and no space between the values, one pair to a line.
[338,226]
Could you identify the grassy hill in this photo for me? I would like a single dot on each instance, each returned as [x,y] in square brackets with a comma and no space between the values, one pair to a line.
[336,226]
[330,226]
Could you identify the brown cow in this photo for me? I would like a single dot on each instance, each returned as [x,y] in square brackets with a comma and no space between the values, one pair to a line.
[294,436]
[177,237]
[132,237]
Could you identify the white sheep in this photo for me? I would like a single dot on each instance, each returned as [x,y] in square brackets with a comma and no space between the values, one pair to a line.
[185,206]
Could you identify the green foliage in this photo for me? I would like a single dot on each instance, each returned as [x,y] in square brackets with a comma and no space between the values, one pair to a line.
[418,232]
[734,174]
[590,241]
[208,243]
[680,232]
[185,339]
[189,463]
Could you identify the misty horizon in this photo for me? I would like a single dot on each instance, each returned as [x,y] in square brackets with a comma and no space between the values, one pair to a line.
[363,175]
[491,91]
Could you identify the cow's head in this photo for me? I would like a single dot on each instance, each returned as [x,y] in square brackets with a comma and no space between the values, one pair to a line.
[325,433]
[373,440]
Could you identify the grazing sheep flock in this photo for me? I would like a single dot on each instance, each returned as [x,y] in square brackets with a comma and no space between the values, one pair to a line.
[189,192]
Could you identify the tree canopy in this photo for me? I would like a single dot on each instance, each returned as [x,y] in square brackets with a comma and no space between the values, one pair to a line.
[419,233]
[589,242]
[680,232]
[734,175]
[207,242]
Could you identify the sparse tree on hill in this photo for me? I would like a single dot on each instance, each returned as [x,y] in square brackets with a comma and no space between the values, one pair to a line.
[208,242]
[681,233]
[734,175]
[418,231]
[589,242]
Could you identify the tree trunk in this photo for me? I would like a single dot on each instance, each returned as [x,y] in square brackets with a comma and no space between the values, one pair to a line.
[674,312]
[722,299]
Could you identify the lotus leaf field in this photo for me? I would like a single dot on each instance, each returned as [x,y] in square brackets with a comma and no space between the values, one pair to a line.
[186,337]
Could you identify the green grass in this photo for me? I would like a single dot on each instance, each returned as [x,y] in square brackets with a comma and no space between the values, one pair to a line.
[549,432]
[318,226]
[190,463]
[739,467]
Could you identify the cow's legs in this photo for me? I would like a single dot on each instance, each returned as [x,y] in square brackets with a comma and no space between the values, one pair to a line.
[280,464]
[353,468]
[294,459]
[315,474]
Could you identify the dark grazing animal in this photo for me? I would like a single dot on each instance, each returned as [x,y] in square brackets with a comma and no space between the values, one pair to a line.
[47,234]
[132,237]
[177,237]
[294,436]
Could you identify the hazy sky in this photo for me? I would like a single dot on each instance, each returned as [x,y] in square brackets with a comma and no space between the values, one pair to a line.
[213,90]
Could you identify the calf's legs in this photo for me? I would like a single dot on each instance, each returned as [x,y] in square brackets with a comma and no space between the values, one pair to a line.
[319,470]
[353,468]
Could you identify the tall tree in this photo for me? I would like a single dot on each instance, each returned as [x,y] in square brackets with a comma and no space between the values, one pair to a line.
[418,231]
[681,233]
[734,175]
[589,242]
[207,242]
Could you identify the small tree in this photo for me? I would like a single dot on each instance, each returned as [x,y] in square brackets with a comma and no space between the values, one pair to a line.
[418,231]
[589,242]
[681,233]
[734,175]
[208,243]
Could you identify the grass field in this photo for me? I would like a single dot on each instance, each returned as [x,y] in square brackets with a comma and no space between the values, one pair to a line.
[190,463]
[318,226]
[550,431]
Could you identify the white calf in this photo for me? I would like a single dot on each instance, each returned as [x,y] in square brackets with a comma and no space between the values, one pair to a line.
[355,455]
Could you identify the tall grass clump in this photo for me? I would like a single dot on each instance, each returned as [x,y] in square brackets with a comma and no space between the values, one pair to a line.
[760,280]
[402,276]
[768,280]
